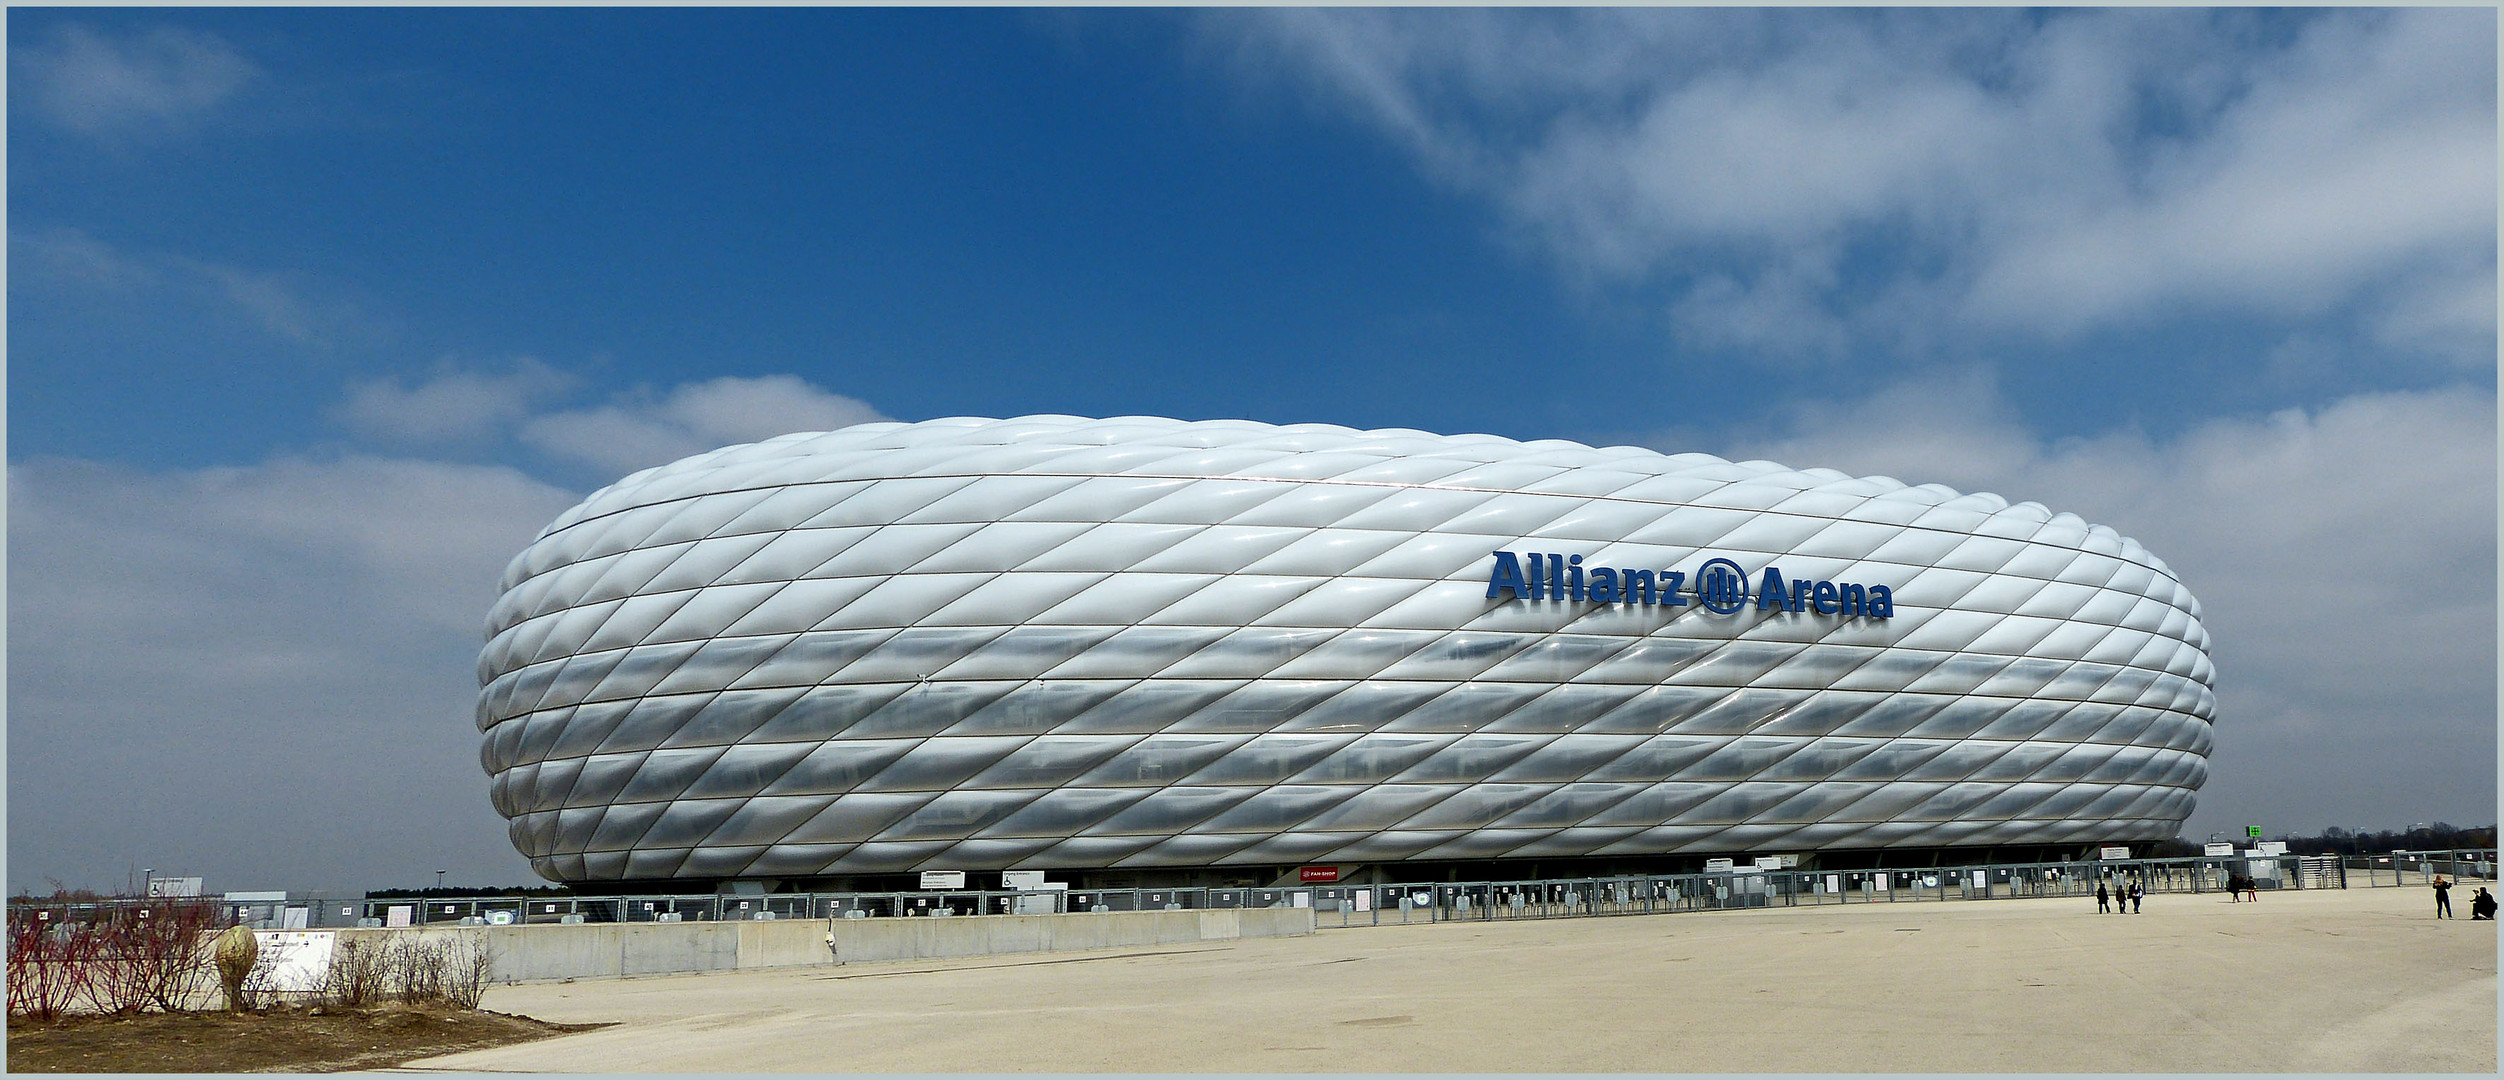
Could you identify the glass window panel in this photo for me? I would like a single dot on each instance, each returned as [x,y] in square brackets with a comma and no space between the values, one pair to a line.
[1160,760]
[1274,809]
[1571,707]
[814,657]
[1148,706]
[1742,759]
[1820,713]
[1025,652]
[650,720]
[1821,759]
[1472,758]
[927,709]
[1958,760]
[1382,806]
[746,770]
[665,773]
[1659,757]
[1570,805]
[1258,706]
[856,817]
[957,814]
[1741,711]
[623,824]
[1458,656]
[1052,760]
[916,653]
[941,764]
[1478,806]
[839,766]
[764,821]
[684,823]
[826,712]
[1468,707]
[1894,714]
[731,716]
[1365,706]
[1373,758]
[1066,811]
[1167,811]
[1569,757]
[1739,803]
[1037,707]
[1654,711]
[601,779]
[1267,759]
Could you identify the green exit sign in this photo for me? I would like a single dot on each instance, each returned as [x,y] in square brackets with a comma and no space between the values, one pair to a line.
[2253,831]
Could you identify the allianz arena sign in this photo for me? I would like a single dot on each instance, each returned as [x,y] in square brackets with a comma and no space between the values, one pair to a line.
[1068,644]
[1721,587]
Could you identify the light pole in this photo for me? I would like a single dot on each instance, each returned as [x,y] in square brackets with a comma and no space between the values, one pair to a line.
[147,882]
[439,881]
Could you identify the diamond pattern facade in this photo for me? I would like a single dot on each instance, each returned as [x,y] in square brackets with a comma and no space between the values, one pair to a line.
[1053,642]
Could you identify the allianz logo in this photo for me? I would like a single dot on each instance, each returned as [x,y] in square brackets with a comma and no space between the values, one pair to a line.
[1719,586]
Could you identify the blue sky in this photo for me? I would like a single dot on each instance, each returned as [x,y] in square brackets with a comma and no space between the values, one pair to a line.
[315,316]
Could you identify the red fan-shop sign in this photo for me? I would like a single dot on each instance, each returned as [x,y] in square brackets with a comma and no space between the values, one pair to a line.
[1319,873]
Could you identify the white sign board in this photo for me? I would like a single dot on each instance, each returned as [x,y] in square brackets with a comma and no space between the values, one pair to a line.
[943,879]
[1021,880]
[302,957]
[173,886]
[1719,866]
[2113,853]
[2217,849]
[1769,862]
[2270,847]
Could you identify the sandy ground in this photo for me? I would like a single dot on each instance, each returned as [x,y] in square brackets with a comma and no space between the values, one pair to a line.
[2336,981]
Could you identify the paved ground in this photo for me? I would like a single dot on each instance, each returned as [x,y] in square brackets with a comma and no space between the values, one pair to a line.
[2354,981]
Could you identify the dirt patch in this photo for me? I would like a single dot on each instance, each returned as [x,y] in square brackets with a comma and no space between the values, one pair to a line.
[278,1040]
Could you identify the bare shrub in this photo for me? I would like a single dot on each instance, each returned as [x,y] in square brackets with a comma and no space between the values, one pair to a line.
[154,954]
[259,989]
[50,962]
[359,973]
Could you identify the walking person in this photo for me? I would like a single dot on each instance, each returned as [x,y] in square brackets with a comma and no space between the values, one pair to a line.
[2442,898]
[2135,893]
[2234,887]
[2103,899]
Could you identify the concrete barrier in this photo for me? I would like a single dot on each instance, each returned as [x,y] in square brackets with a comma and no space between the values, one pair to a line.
[547,953]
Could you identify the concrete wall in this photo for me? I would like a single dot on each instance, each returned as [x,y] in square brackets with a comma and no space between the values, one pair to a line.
[544,953]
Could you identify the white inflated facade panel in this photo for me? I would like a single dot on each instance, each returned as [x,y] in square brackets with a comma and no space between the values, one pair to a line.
[1053,642]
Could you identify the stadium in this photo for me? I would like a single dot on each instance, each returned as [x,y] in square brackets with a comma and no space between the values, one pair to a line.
[1148,651]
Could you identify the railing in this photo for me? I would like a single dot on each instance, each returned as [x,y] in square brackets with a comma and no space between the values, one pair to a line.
[1348,904]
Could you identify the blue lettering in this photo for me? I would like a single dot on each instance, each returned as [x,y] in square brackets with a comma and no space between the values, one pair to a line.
[1822,601]
[1637,586]
[1852,600]
[1671,582]
[1507,576]
[1573,576]
[1881,602]
[1770,592]
[1603,587]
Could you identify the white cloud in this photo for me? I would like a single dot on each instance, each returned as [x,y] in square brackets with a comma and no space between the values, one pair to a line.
[263,674]
[2345,558]
[453,405]
[73,262]
[650,429]
[1798,178]
[160,81]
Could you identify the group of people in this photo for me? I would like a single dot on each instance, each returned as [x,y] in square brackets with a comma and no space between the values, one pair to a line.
[2481,906]
[2240,887]
[2119,898]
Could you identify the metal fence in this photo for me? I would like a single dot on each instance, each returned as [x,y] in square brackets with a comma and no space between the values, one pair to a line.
[1342,905]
